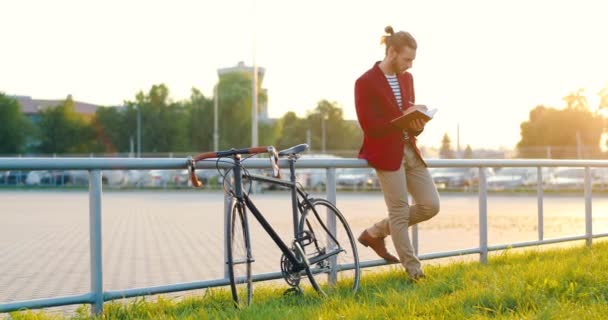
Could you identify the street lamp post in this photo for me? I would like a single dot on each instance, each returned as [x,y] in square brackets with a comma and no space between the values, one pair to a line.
[216,135]
[138,132]
[323,134]
[254,104]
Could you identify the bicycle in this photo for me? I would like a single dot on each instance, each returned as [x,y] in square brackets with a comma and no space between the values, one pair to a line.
[318,249]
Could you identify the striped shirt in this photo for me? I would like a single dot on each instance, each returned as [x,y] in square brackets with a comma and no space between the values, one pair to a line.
[394,83]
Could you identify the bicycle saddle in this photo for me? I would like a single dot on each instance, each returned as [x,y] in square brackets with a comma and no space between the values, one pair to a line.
[293,150]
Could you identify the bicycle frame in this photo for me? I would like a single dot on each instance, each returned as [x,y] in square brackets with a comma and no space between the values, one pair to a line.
[295,190]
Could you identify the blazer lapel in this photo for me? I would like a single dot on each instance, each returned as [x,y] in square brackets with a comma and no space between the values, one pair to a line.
[382,85]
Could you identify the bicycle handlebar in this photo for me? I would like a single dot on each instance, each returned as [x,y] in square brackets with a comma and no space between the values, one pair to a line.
[274,160]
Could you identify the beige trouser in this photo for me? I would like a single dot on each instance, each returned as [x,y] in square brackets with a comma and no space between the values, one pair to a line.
[412,176]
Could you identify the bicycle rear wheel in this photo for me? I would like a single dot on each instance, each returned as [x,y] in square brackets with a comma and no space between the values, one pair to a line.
[323,248]
[239,256]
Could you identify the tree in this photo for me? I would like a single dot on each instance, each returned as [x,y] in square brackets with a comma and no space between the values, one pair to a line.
[164,123]
[63,130]
[293,130]
[558,130]
[14,128]
[468,152]
[269,132]
[446,151]
[234,94]
[113,128]
[576,100]
[199,122]
[340,134]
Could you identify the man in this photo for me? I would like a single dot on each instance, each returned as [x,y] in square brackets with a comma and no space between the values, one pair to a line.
[381,94]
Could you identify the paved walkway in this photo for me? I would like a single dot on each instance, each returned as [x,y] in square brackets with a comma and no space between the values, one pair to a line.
[157,238]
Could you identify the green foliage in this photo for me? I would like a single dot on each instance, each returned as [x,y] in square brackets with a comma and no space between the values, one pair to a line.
[187,126]
[234,96]
[199,122]
[339,133]
[113,129]
[235,108]
[446,151]
[268,133]
[550,127]
[63,130]
[14,128]
[294,130]
[468,152]
[549,284]
[163,122]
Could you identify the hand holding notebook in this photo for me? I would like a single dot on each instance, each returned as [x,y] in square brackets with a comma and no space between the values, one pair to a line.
[412,113]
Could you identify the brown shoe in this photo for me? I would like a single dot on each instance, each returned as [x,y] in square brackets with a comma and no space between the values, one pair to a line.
[378,245]
[417,276]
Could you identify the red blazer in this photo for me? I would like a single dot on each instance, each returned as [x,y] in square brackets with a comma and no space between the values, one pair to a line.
[376,106]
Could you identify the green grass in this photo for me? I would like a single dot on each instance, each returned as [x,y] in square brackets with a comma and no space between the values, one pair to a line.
[567,283]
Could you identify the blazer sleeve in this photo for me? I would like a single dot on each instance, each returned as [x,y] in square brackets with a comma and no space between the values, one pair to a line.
[372,122]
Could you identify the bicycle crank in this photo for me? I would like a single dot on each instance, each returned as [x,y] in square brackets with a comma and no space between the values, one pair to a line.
[292,278]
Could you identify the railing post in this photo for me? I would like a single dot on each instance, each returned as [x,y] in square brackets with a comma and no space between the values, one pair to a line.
[95,241]
[331,222]
[588,211]
[540,195]
[483,217]
[414,232]
[228,202]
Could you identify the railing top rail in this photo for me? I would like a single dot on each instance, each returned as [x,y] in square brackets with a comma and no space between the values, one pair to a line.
[180,163]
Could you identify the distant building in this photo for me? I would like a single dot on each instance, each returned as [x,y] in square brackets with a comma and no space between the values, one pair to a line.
[242,68]
[32,107]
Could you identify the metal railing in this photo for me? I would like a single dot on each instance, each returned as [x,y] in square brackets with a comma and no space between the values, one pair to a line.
[98,296]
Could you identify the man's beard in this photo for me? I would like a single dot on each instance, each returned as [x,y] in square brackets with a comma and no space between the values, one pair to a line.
[395,67]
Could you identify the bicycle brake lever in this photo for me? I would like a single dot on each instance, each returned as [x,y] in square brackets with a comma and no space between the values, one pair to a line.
[191,171]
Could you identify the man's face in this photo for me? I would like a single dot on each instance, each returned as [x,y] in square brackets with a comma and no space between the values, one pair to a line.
[401,61]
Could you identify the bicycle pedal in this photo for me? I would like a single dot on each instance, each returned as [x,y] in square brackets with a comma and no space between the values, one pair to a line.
[305,238]
[293,291]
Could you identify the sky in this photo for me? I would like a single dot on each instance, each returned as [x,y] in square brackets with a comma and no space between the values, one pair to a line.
[483,64]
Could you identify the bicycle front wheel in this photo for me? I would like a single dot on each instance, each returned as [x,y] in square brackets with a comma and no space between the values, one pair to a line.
[239,256]
[329,246]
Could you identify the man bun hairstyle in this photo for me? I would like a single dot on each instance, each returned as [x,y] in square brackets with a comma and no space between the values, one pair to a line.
[397,40]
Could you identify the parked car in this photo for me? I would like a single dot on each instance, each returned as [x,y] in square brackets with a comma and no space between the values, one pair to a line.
[601,175]
[574,178]
[13,177]
[209,177]
[354,177]
[34,178]
[156,178]
[181,178]
[512,178]
[456,178]
[61,178]
[313,178]
[135,177]
[114,177]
